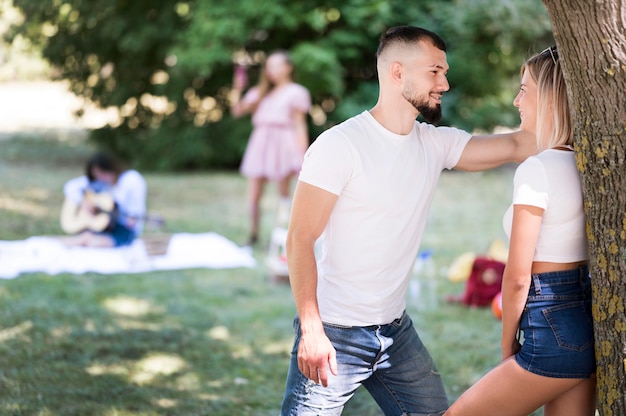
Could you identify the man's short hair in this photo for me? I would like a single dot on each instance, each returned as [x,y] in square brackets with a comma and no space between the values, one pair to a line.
[408,35]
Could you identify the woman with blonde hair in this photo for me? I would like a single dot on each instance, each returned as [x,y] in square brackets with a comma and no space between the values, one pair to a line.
[279,138]
[546,290]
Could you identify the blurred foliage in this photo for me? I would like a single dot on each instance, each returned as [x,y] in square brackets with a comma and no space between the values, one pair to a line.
[18,58]
[167,64]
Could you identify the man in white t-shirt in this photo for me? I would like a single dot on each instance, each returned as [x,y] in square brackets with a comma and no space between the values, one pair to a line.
[365,188]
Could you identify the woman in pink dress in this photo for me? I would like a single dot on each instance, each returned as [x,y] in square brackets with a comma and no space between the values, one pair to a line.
[279,137]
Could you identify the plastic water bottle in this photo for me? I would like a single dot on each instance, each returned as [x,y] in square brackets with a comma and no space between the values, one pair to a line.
[423,284]
[415,285]
[429,277]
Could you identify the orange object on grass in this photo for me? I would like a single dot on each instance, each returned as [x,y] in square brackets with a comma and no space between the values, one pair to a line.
[496,306]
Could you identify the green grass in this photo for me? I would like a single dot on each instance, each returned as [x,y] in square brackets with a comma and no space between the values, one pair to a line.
[197,342]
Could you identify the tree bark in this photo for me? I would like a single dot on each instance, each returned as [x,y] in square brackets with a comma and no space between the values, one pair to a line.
[591,39]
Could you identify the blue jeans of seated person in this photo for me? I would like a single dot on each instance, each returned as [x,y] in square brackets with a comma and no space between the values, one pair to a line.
[121,235]
[390,361]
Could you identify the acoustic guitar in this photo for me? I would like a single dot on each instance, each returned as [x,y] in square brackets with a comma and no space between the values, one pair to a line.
[76,218]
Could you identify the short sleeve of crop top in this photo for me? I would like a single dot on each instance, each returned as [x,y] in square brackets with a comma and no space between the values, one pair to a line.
[531,184]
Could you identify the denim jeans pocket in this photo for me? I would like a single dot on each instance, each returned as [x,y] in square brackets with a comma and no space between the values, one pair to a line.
[571,324]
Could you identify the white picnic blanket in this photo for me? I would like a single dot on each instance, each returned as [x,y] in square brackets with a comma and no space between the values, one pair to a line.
[48,255]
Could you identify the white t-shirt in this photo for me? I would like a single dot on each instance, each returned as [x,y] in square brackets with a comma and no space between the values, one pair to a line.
[550,180]
[385,183]
[129,192]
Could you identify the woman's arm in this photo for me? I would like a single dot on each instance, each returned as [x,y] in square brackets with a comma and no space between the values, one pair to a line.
[241,104]
[517,274]
[302,132]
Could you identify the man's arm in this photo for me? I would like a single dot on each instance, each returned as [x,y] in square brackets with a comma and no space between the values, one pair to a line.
[490,151]
[309,215]
[74,189]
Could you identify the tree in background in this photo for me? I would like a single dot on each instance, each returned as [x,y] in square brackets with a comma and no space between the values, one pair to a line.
[166,65]
[591,36]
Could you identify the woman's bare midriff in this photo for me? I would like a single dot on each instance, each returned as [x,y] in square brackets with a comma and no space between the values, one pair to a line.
[546,266]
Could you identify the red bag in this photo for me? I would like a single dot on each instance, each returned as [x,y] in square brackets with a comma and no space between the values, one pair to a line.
[483,284]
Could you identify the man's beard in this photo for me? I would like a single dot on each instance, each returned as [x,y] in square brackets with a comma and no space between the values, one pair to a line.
[430,114]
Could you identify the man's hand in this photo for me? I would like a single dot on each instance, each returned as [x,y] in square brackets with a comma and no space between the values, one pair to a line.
[316,355]
[88,206]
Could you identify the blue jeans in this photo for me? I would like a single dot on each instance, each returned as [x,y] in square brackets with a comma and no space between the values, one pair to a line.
[121,235]
[390,361]
[558,326]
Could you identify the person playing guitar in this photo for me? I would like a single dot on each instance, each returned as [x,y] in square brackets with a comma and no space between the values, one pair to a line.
[105,207]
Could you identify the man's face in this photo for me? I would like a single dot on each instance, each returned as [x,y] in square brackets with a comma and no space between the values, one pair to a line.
[103,176]
[426,81]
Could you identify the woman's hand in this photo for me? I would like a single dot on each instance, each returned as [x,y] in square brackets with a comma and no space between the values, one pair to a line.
[511,350]
[240,78]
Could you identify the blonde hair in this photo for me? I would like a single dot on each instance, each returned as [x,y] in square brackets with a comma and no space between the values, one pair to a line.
[553,112]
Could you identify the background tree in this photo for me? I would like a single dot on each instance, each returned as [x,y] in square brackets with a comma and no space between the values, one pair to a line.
[591,36]
[167,65]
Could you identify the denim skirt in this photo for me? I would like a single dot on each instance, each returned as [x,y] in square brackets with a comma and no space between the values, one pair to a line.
[557,325]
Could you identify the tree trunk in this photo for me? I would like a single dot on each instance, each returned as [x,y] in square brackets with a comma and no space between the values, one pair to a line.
[591,39]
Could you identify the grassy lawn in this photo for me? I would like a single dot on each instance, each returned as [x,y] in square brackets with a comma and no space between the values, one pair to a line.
[197,342]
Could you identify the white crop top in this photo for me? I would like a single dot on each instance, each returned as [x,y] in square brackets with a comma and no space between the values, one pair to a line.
[550,180]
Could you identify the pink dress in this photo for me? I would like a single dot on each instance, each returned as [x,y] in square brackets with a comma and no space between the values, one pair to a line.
[273,151]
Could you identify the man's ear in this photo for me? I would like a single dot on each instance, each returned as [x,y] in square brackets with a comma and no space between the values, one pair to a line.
[397,72]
